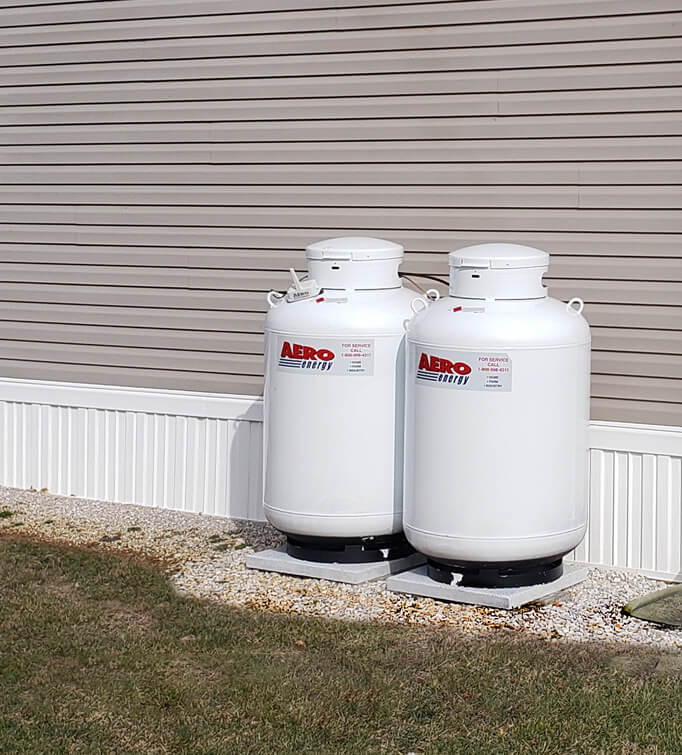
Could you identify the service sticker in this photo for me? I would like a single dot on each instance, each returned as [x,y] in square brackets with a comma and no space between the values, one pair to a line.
[464,370]
[326,356]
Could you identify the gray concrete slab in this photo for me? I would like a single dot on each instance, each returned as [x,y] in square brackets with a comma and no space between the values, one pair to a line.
[417,582]
[278,560]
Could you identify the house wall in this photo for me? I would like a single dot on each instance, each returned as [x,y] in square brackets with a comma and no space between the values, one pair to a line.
[164,162]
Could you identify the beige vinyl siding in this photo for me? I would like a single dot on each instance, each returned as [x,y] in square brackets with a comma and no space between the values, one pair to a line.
[163,164]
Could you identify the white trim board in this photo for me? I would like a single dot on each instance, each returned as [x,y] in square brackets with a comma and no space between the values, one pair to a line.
[114,398]
[202,452]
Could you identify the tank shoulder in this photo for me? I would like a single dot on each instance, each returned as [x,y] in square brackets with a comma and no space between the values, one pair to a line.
[384,310]
[474,323]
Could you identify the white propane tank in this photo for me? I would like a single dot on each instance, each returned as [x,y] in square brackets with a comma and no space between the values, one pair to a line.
[497,409]
[334,403]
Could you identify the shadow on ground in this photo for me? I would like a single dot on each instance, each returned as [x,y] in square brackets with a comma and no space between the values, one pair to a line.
[99,654]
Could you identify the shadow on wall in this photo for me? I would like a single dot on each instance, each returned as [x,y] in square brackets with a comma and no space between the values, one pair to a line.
[244,484]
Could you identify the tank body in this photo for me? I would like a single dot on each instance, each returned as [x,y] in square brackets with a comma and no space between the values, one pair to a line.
[497,410]
[334,396]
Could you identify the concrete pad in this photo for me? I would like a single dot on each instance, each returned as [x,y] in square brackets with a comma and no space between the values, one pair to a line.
[417,582]
[278,560]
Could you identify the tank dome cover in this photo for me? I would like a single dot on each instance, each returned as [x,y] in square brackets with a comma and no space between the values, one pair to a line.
[357,248]
[498,256]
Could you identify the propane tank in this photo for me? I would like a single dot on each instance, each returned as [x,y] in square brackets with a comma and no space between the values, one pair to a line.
[497,409]
[334,403]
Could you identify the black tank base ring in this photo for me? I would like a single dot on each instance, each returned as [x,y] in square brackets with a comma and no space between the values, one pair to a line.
[357,550]
[497,573]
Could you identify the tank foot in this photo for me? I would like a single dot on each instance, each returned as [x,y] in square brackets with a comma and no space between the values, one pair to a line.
[354,550]
[498,574]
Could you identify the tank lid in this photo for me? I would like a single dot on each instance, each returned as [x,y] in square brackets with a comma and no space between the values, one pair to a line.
[358,248]
[498,256]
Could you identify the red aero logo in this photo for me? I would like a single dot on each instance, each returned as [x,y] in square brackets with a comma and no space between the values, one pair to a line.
[440,370]
[438,364]
[297,351]
[306,357]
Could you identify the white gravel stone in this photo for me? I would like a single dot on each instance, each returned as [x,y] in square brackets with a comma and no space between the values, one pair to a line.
[204,557]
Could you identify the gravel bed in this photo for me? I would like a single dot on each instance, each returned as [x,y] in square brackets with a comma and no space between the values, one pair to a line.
[204,557]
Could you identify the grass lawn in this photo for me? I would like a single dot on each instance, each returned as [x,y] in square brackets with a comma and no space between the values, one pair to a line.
[99,655]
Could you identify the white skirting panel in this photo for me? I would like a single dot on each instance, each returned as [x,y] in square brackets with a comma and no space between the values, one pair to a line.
[635,518]
[202,452]
[194,452]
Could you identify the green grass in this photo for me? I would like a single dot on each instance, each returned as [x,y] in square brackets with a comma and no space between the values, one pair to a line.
[99,655]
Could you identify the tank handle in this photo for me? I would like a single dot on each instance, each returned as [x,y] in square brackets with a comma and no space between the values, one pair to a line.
[274,297]
[577,309]
[432,295]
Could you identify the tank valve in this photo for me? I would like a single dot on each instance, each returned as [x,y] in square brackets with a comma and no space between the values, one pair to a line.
[302,289]
[420,303]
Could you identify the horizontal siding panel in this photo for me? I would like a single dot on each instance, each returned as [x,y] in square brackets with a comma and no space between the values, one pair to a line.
[616,268]
[205,247]
[115,276]
[131,296]
[630,345]
[328,43]
[377,129]
[233,275]
[637,388]
[117,356]
[596,292]
[521,219]
[614,317]
[641,412]
[36,247]
[584,197]
[378,174]
[89,10]
[262,270]
[325,108]
[383,58]
[254,301]
[132,376]
[463,151]
[161,257]
[198,321]
[21,12]
[402,13]
[621,52]
[621,292]
[634,316]
[422,84]
[26,315]
[634,340]
[425,26]
[643,365]
[150,338]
